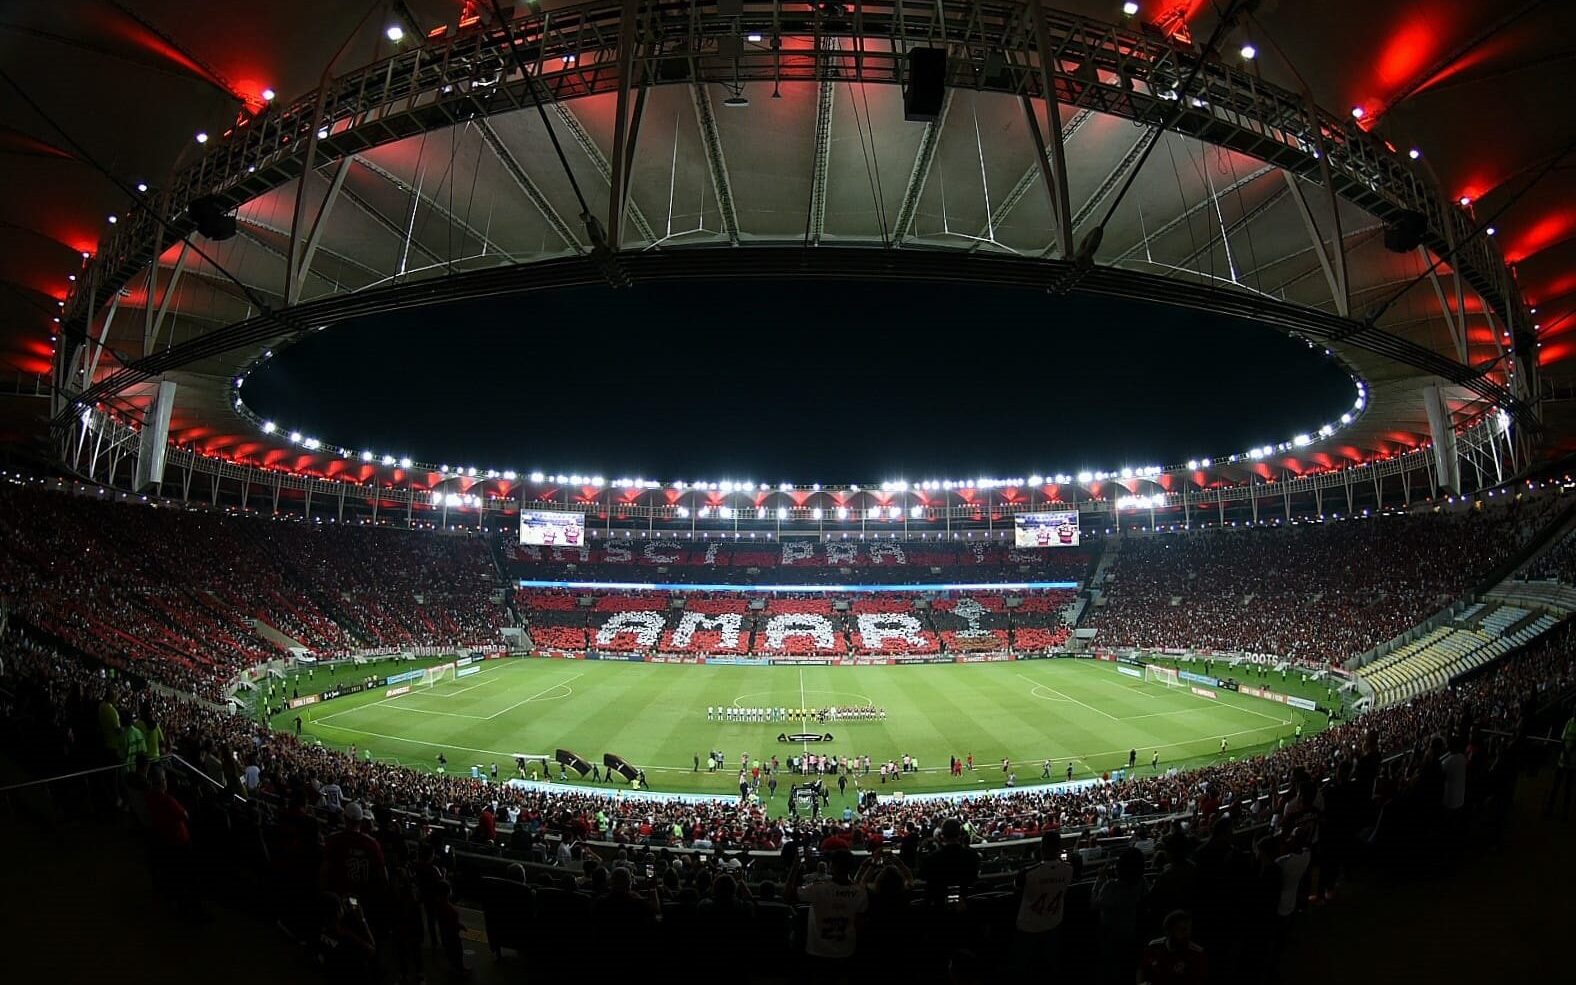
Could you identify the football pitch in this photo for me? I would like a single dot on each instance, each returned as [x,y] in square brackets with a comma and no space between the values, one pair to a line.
[655,716]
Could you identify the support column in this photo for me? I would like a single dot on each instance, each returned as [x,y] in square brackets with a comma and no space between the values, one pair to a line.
[1447,463]
[1060,206]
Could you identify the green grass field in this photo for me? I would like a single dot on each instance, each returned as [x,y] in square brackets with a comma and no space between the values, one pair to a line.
[654,715]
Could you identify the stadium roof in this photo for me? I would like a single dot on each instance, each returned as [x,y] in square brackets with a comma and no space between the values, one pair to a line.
[430,175]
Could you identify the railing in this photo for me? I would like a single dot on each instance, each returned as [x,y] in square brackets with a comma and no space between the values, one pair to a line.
[43,796]
[327,491]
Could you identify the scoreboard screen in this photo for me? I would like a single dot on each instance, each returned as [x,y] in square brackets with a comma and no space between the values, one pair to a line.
[1057,529]
[551,528]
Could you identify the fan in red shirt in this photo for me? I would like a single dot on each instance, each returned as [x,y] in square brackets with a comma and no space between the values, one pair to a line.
[353,860]
[1174,959]
[487,826]
[166,815]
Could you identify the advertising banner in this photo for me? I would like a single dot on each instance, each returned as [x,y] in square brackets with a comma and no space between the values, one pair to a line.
[466,672]
[1203,693]
[395,692]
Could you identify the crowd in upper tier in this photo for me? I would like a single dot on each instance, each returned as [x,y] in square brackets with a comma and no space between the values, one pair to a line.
[190,597]
[1319,593]
[798,562]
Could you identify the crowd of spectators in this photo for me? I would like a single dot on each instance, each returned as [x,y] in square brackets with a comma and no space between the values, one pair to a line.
[189,597]
[365,859]
[1261,835]
[1558,563]
[1315,592]
[796,561]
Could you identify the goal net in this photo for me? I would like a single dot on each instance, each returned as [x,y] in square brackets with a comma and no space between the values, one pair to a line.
[438,674]
[1161,675]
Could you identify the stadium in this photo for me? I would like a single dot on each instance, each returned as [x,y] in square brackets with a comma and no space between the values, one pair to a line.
[962,491]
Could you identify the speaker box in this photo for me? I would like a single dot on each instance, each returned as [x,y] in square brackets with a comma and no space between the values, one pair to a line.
[927,82]
[212,219]
[1403,233]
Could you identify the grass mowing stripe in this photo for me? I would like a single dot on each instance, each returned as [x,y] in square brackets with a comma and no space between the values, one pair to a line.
[655,715]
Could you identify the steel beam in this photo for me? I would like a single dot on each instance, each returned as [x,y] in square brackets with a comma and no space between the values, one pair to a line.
[716,161]
[1241,222]
[1455,321]
[599,160]
[821,157]
[103,339]
[388,225]
[626,79]
[432,204]
[314,134]
[1062,207]
[920,172]
[533,193]
[256,223]
[1332,262]
[1190,212]
[1112,179]
[1042,170]
[1119,69]
[154,322]
[301,254]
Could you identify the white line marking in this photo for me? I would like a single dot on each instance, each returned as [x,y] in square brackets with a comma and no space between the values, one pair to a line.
[535,696]
[399,707]
[1034,692]
[802,703]
[417,742]
[1068,697]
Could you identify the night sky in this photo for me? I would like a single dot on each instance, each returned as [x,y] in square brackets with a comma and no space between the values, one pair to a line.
[811,381]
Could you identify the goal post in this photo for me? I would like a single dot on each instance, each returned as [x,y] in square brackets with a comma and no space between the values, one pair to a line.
[437,675]
[1155,674]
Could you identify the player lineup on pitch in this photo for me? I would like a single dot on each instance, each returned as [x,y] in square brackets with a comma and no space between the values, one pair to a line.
[1031,721]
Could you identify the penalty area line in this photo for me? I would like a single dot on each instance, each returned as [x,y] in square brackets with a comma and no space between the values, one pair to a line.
[533,697]
[1068,697]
